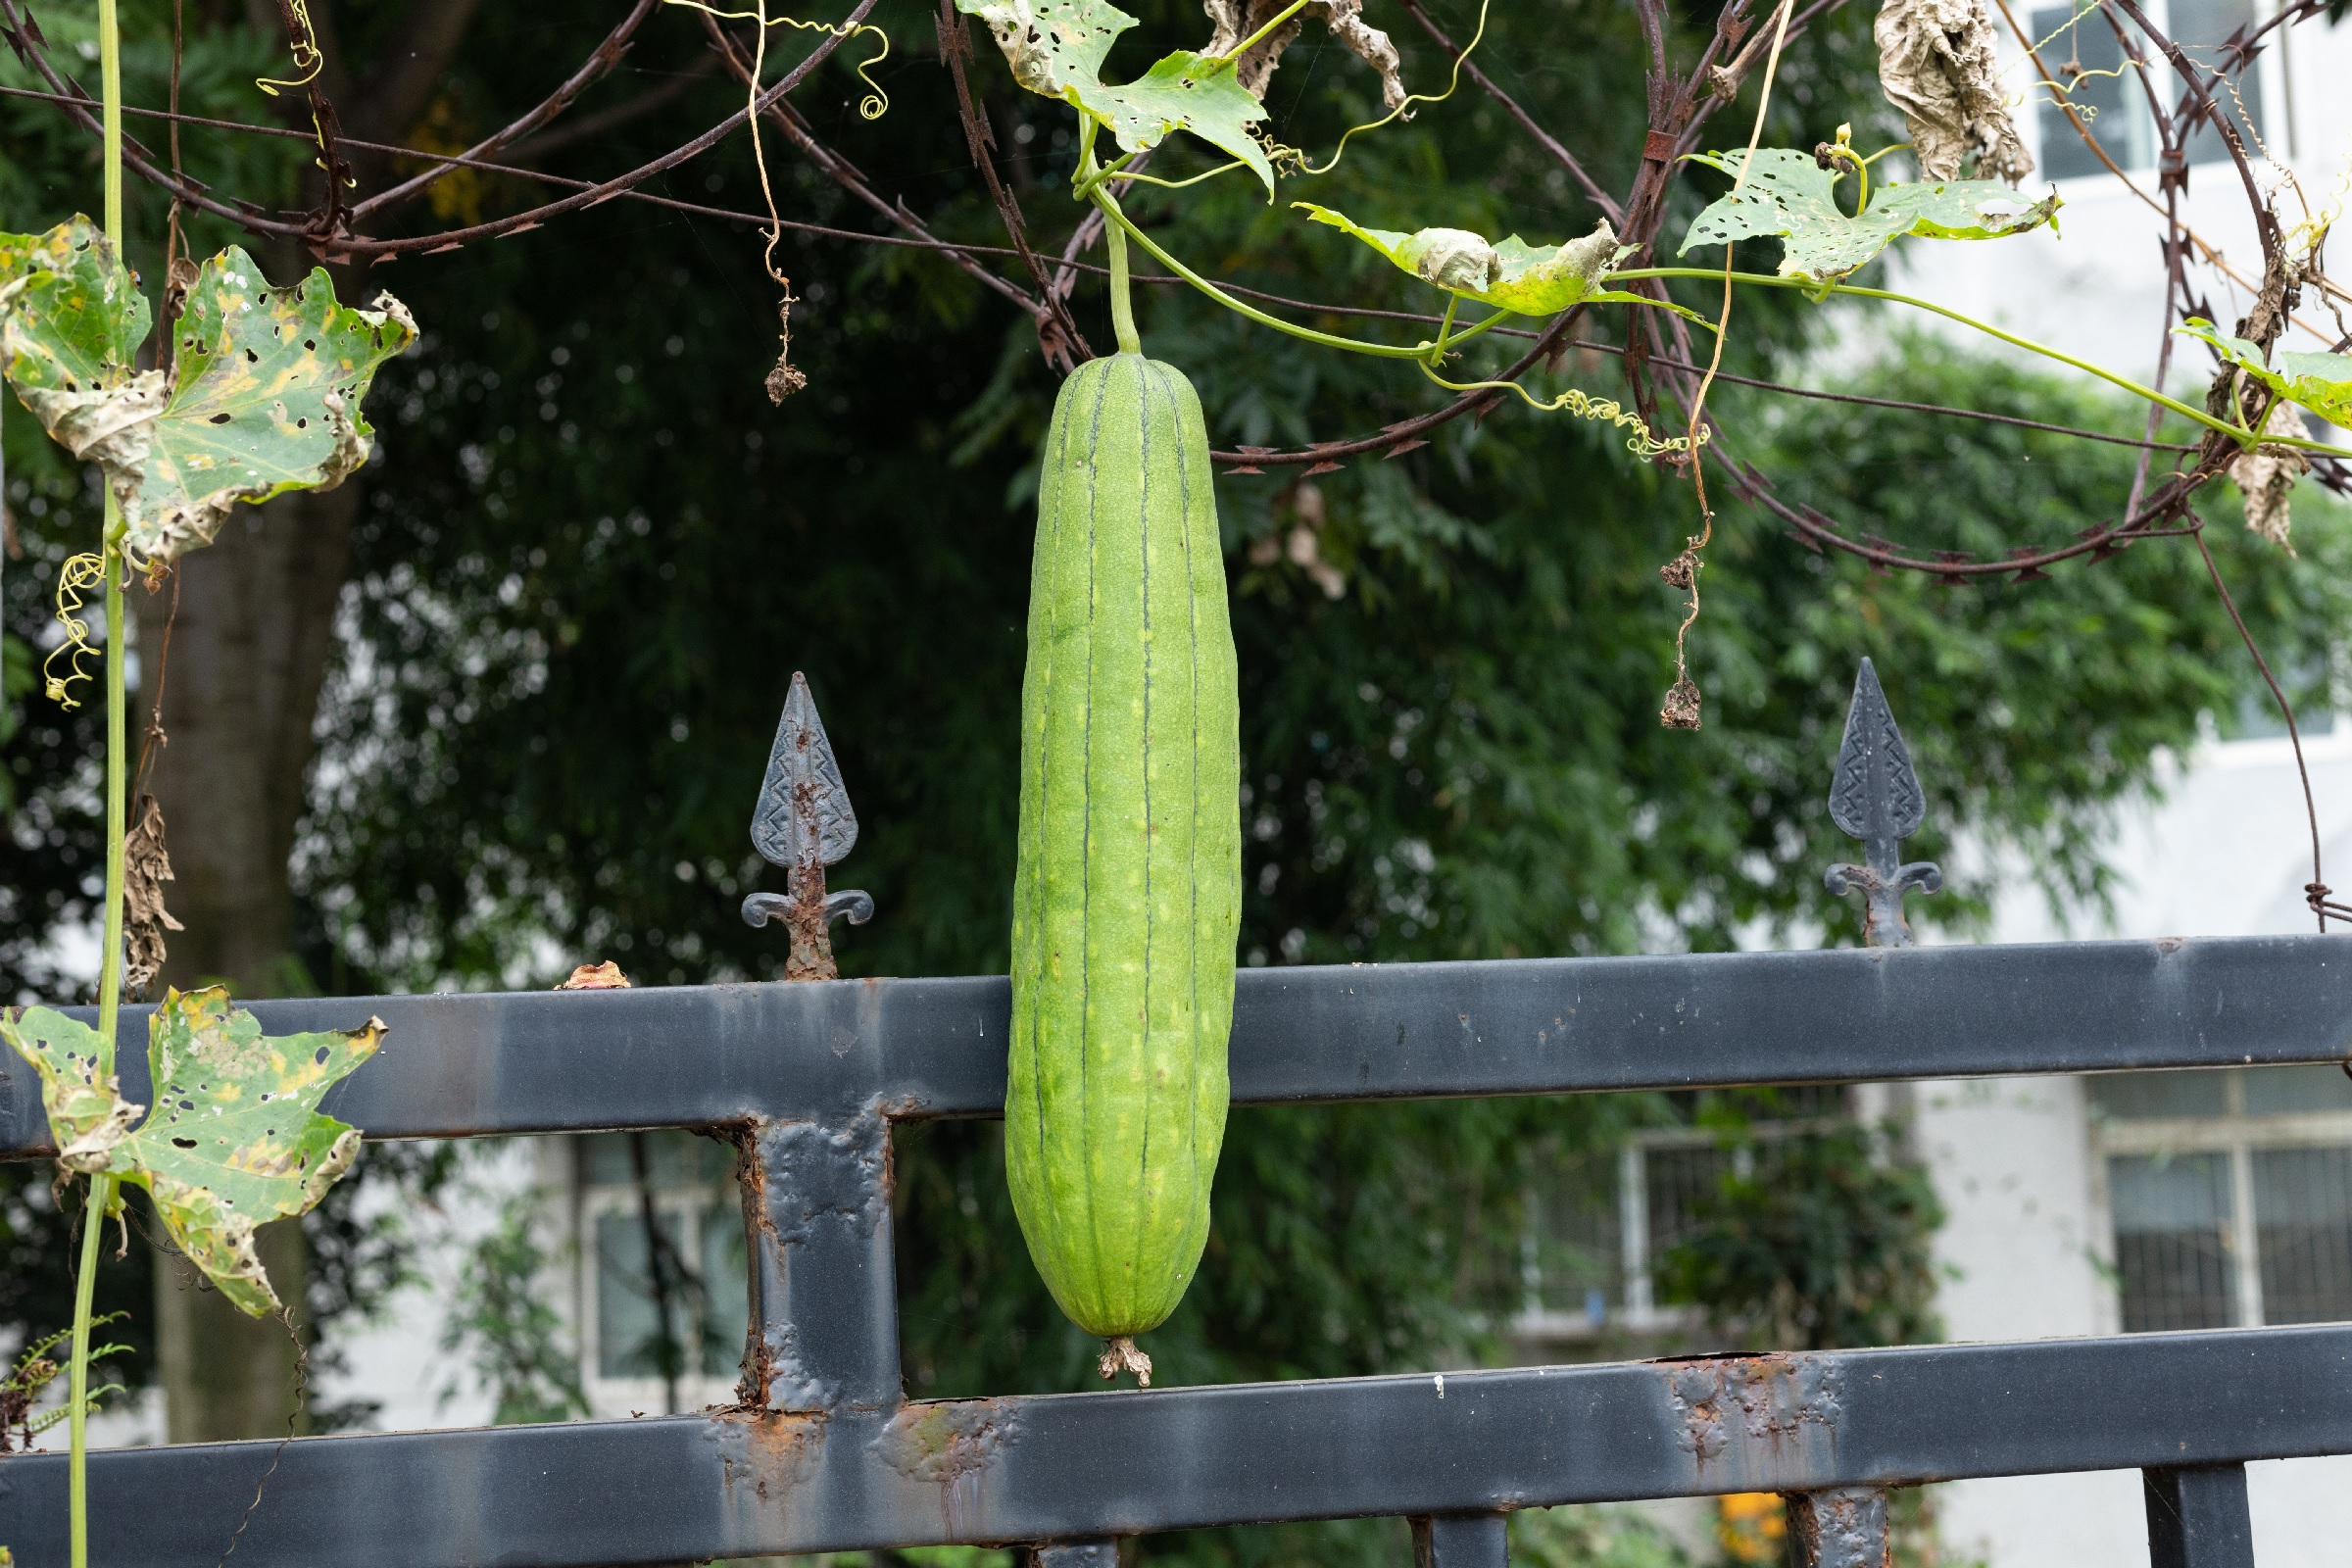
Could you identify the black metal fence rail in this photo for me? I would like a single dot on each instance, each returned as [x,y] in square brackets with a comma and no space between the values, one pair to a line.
[1031,1470]
[827,1453]
[477,1064]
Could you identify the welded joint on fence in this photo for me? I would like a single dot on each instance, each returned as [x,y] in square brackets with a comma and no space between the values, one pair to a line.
[1843,1526]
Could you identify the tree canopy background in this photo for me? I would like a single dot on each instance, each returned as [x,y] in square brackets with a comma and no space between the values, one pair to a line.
[589,556]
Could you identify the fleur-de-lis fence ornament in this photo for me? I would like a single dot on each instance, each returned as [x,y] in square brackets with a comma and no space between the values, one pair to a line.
[1875,797]
[803,823]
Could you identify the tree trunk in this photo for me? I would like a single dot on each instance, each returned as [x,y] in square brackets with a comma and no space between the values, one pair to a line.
[226,1375]
[239,692]
[240,677]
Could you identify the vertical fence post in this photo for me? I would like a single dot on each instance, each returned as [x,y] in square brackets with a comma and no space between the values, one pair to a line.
[1462,1540]
[824,1319]
[2199,1517]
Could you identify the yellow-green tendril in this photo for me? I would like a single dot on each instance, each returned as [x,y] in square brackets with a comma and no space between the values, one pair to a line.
[79,574]
[875,104]
[304,44]
[1641,443]
[1401,111]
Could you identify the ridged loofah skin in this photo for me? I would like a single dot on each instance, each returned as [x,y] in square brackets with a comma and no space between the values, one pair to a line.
[1127,899]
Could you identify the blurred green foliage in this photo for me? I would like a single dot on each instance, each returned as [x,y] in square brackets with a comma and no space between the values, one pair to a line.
[592,555]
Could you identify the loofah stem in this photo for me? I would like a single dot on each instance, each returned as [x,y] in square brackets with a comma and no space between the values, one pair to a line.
[1122,1353]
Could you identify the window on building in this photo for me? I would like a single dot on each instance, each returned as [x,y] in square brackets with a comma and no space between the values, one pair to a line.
[2230,1193]
[666,1299]
[1601,1219]
[2080,48]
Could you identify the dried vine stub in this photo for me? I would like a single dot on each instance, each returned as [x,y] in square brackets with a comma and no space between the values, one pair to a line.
[1937,64]
[1680,710]
[786,378]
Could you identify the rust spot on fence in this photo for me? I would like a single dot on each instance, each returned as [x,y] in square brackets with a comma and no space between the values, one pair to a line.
[950,1444]
[1754,1418]
[773,1449]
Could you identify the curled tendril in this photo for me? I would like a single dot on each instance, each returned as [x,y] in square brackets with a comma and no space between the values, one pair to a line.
[1297,161]
[875,104]
[78,574]
[304,43]
[1642,443]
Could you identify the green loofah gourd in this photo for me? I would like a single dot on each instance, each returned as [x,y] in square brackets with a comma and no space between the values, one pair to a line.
[1127,899]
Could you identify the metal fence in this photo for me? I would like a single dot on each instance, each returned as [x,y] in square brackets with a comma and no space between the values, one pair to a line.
[825,1452]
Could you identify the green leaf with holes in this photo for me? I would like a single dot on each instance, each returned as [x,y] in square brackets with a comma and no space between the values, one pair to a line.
[2319,383]
[1509,273]
[1058,47]
[265,399]
[265,391]
[1051,45]
[1185,91]
[71,318]
[87,1113]
[71,325]
[1790,195]
[236,1138]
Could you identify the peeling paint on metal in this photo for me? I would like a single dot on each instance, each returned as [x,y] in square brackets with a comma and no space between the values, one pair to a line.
[1751,1418]
[951,1444]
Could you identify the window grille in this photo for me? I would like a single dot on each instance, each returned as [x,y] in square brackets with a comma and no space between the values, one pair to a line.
[2230,1196]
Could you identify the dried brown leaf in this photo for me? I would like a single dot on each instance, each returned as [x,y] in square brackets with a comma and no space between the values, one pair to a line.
[1236,19]
[1937,64]
[146,867]
[2267,476]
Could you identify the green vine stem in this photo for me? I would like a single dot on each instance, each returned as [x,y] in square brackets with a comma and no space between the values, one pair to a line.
[1122,307]
[110,967]
[1252,42]
[1387,350]
[2238,434]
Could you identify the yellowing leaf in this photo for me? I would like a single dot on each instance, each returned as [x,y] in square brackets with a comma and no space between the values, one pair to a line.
[1510,273]
[72,320]
[87,1113]
[266,399]
[2321,382]
[71,326]
[236,1138]
[265,394]
[1790,195]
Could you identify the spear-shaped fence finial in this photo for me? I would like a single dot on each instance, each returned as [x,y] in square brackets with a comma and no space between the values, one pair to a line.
[1875,797]
[803,823]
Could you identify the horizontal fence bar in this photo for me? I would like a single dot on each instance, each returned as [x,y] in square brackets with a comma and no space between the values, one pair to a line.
[697,1056]
[1070,1466]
